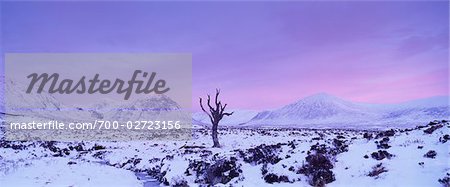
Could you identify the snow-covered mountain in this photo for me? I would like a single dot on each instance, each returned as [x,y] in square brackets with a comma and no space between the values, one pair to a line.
[46,106]
[324,110]
[149,108]
[15,102]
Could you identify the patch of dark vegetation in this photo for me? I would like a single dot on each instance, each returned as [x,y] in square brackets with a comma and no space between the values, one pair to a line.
[78,147]
[377,170]
[98,147]
[318,169]
[430,154]
[340,146]
[262,154]
[291,144]
[445,181]
[433,128]
[383,144]
[12,145]
[273,178]
[340,137]
[221,171]
[444,138]
[156,172]
[131,161]
[180,183]
[99,154]
[192,147]
[319,148]
[385,134]
[381,154]
[202,152]
[420,147]
[368,136]
[57,152]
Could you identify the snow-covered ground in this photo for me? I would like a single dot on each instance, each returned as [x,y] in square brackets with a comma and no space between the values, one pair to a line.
[249,157]
[63,171]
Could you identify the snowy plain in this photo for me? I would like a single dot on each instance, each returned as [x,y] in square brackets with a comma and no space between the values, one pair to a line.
[248,157]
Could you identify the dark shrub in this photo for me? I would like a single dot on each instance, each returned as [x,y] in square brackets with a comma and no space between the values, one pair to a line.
[445,181]
[432,129]
[98,147]
[273,178]
[385,134]
[444,138]
[383,144]
[430,154]
[222,171]
[318,168]
[381,154]
[377,170]
[368,136]
[339,146]
[262,154]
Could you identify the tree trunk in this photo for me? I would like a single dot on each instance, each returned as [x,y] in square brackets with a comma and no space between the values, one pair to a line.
[214,135]
[215,114]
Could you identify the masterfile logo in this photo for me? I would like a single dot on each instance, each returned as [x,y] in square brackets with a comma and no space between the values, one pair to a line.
[94,85]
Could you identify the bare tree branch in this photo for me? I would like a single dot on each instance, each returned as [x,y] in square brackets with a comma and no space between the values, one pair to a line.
[228,114]
[210,117]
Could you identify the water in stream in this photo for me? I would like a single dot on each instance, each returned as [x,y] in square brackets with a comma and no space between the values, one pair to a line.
[147,180]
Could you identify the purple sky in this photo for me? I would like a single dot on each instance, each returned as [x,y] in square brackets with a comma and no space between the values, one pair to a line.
[262,55]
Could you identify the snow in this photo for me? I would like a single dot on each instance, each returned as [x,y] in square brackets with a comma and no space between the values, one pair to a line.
[56,172]
[327,111]
[37,165]
[403,169]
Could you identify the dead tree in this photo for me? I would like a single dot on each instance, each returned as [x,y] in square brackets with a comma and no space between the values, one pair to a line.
[215,114]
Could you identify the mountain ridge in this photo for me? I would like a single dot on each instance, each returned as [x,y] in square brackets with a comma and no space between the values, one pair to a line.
[325,110]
